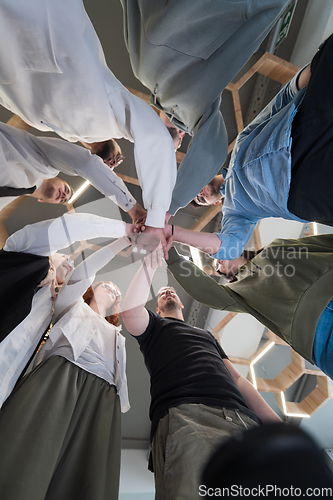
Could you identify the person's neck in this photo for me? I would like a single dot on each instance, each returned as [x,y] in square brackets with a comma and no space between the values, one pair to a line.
[219,180]
[99,309]
[173,313]
[39,192]
[88,145]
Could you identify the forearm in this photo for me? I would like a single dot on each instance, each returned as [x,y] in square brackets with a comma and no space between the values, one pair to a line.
[76,160]
[199,285]
[137,214]
[89,267]
[107,182]
[155,159]
[205,155]
[138,291]
[84,275]
[47,237]
[256,403]
[207,242]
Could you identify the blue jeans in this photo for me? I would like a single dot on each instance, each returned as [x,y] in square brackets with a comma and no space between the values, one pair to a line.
[322,351]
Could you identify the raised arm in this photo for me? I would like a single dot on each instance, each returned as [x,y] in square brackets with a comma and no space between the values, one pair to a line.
[89,267]
[47,237]
[134,313]
[199,285]
[207,242]
[76,160]
[84,275]
[154,153]
[205,156]
[252,397]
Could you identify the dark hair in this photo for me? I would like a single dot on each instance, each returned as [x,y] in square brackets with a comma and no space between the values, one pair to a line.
[114,318]
[195,204]
[175,134]
[106,149]
[248,255]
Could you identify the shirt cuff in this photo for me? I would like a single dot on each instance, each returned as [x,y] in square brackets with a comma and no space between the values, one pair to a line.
[124,205]
[156,217]
[230,248]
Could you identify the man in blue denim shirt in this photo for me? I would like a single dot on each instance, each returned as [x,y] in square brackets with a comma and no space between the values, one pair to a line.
[271,172]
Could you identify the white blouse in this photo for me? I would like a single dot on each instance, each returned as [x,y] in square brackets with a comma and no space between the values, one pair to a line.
[81,335]
[45,238]
[26,160]
[87,340]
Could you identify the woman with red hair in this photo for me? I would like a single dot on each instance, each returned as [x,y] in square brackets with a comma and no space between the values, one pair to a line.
[60,428]
[31,275]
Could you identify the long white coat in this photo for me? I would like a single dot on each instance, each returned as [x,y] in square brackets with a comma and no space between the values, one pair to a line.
[54,76]
[44,238]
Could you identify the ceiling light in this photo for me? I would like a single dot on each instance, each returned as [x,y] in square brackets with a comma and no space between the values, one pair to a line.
[253,362]
[195,254]
[79,191]
[253,376]
[288,414]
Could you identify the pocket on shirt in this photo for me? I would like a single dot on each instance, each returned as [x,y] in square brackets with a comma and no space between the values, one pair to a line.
[205,31]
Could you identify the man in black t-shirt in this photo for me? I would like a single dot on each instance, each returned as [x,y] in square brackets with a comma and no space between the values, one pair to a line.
[198,398]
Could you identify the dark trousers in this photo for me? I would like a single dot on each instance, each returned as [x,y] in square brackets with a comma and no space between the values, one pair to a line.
[60,436]
[311,188]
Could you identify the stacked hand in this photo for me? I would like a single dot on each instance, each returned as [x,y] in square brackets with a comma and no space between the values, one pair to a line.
[150,237]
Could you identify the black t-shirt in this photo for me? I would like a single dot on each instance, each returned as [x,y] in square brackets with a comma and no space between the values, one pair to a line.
[186,365]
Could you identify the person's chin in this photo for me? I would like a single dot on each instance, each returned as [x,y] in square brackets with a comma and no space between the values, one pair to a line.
[171,304]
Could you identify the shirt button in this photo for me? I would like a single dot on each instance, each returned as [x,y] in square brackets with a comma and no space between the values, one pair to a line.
[117,346]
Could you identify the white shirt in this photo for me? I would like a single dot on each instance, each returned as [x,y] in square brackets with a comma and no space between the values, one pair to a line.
[27,160]
[81,335]
[58,80]
[45,238]
[87,340]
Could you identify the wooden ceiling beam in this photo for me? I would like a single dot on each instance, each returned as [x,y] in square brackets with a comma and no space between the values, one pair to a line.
[224,322]
[129,180]
[237,111]
[206,217]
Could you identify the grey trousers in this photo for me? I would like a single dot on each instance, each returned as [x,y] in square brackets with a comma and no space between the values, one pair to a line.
[184,441]
[60,436]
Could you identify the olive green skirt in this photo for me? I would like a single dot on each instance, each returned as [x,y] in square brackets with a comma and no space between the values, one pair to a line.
[60,436]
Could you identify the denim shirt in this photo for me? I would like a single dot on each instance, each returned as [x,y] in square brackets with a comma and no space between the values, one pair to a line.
[258,180]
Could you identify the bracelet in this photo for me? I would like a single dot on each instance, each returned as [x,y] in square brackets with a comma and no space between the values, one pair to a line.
[172,228]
